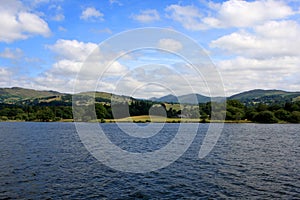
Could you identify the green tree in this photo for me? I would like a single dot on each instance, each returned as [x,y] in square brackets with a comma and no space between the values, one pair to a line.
[282,114]
[294,117]
[235,103]
[101,111]
[203,117]
[45,115]
[265,117]
[261,107]
[234,113]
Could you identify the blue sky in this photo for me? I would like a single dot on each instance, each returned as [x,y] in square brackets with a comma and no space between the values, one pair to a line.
[253,44]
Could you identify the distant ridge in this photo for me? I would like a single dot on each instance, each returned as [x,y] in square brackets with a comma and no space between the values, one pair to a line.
[23,95]
[266,96]
[15,94]
[187,99]
[18,95]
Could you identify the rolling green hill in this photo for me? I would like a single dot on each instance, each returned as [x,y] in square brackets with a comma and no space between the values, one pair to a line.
[266,96]
[17,94]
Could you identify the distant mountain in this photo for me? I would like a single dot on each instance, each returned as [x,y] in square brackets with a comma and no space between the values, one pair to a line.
[187,99]
[168,98]
[248,97]
[266,96]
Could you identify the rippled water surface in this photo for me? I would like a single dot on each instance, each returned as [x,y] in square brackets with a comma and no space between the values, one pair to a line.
[48,161]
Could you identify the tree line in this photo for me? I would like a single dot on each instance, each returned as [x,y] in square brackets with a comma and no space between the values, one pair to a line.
[235,111]
[261,113]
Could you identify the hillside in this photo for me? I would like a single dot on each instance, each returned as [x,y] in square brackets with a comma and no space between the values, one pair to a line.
[107,97]
[16,94]
[266,96]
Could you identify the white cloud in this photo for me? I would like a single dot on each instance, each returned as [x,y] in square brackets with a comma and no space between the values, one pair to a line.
[70,54]
[265,56]
[74,56]
[169,44]
[63,67]
[147,16]
[232,13]
[241,74]
[61,28]
[11,53]
[235,13]
[4,73]
[274,38]
[188,16]
[115,76]
[72,49]
[115,2]
[58,17]
[18,22]
[57,14]
[91,13]
[146,81]
[32,23]
[5,77]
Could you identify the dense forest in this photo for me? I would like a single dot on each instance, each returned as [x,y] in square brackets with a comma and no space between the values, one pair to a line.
[235,111]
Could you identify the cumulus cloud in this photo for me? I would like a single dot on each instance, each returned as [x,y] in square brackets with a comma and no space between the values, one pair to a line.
[274,38]
[57,12]
[58,17]
[263,52]
[232,13]
[169,44]
[188,16]
[5,77]
[241,74]
[11,53]
[4,73]
[18,22]
[147,16]
[115,2]
[265,56]
[75,56]
[61,28]
[72,49]
[100,72]
[70,56]
[91,13]
[157,80]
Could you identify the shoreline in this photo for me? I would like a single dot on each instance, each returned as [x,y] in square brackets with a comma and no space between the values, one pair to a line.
[139,119]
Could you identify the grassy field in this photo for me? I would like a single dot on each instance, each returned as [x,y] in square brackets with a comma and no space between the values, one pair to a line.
[159,119]
[154,119]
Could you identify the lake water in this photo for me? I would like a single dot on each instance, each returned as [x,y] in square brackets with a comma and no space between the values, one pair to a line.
[48,161]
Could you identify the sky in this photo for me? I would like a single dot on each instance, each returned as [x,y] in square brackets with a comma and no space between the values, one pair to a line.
[70,46]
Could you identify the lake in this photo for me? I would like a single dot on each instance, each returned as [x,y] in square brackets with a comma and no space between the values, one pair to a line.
[48,161]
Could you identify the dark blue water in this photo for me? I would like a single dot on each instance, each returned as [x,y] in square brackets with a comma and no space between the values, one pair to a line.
[48,161]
